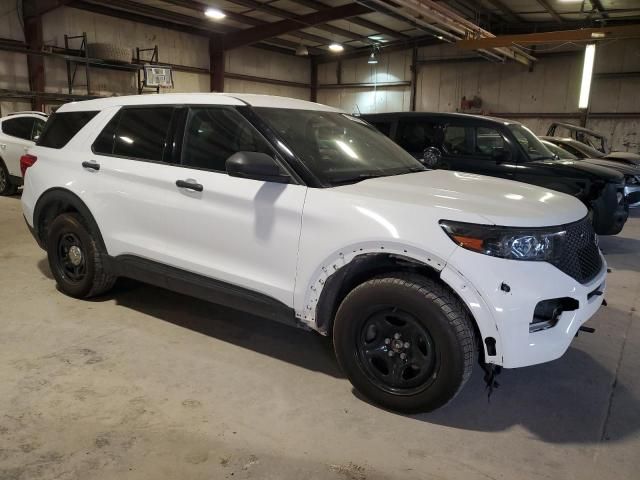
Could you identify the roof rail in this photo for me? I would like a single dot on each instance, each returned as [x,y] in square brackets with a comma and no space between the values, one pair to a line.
[27,111]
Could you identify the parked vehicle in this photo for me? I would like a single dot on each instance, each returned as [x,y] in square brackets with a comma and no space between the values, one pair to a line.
[18,132]
[581,150]
[583,135]
[631,172]
[506,149]
[302,213]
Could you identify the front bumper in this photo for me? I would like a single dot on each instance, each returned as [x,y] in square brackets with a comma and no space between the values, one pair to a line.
[506,315]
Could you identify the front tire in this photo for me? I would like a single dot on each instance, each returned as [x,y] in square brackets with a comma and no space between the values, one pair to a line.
[405,342]
[75,258]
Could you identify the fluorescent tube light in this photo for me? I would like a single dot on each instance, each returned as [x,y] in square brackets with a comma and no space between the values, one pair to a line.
[587,75]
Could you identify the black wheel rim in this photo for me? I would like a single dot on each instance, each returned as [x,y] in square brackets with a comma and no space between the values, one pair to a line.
[396,352]
[70,258]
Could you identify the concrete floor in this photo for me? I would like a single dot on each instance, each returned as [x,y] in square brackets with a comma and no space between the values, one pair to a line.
[148,384]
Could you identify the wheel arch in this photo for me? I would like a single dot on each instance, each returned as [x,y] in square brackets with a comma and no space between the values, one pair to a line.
[55,202]
[351,267]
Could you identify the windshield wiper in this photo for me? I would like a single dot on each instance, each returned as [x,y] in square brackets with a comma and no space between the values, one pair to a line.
[353,178]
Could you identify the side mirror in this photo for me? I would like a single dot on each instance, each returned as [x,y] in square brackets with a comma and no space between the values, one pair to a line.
[255,166]
[501,155]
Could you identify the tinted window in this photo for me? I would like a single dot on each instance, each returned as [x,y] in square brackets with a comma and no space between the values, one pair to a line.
[416,136]
[214,134]
[18,127]
[142,133]
[62,127]
[458,140]
[104,142]
[529,142]
[38,127]
[477,142]
[383,127]
[562,153]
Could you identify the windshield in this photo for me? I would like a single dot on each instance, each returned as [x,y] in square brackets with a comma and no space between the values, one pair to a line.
[587,151]
[530,143]
[338,148]
[560,152]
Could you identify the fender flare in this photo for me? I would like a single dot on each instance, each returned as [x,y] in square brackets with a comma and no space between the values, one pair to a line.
[312,310]
[65,201]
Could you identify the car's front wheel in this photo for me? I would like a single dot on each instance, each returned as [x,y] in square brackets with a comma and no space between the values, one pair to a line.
[405,342]
[75,258]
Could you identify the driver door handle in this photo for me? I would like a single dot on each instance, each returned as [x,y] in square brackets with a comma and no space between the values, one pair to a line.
[91,165]
[190,184]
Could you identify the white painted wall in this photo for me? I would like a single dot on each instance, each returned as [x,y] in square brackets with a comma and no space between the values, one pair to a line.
[552,87]
[174,47]
[395,67]
[13,66]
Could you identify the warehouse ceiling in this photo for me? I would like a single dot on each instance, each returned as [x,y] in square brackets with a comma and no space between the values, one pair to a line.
[284,25]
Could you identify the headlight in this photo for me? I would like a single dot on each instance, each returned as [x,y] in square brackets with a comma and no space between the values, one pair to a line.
[531,244]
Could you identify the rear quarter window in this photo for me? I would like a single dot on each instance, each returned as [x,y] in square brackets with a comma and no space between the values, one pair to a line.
[19,127]
[62,127]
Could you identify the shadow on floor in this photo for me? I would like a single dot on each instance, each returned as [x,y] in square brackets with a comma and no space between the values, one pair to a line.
[564,401]
[305,349]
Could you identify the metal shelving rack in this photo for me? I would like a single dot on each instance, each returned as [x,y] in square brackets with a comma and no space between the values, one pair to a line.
[79,58]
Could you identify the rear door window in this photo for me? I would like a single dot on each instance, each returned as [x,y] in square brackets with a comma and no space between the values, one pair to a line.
[477,142]
[417,135]
[62,127]
[18,127]
[139,133]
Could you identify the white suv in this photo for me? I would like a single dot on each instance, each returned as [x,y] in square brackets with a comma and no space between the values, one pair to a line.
[18,132]
[304,214]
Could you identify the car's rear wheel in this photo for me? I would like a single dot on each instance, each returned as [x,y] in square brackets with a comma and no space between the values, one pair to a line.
[405,342]
[6,187]
[75,258]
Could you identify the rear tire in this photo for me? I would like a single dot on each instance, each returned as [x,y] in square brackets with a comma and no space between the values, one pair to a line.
[75,258]
[405,342]
[6,187]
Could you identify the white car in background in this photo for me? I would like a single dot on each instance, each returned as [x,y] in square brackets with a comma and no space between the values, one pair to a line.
[18,132]
[302,213]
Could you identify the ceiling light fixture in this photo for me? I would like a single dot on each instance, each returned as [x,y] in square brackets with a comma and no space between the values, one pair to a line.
[373,58]
[587,75]
[302,50]
[215,13]
[336,47]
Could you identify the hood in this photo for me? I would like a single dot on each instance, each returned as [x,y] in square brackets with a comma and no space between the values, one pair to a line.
[624,168]
[624,156]
[577,167]
[466,196]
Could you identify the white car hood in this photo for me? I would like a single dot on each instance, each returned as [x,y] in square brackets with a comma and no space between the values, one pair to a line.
[459,195]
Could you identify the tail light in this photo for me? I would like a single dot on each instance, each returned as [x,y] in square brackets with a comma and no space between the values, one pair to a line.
[26,161]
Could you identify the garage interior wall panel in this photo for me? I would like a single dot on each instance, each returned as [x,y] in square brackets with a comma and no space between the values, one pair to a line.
[261,63]
[233,85]
[393,67]
[174,47]
[13,66]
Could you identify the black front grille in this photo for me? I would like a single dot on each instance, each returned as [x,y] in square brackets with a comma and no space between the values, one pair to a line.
[580,257]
